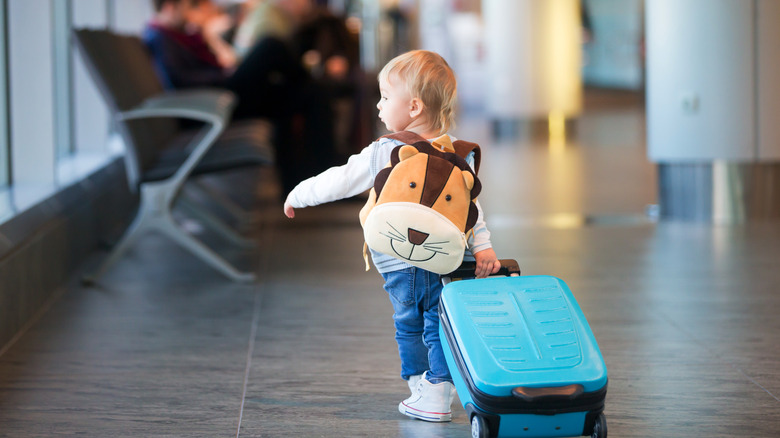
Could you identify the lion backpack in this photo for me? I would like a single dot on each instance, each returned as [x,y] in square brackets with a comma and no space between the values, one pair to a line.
[421,208]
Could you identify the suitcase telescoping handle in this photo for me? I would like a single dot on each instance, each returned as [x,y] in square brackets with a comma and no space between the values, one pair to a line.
[509,268]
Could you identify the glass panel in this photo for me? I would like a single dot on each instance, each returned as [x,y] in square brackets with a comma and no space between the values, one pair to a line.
[63,73]
[4,166]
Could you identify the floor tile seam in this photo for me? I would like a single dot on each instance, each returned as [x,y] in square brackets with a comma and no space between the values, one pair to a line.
[269,229]
[753,381]
[250,353]
[714,354]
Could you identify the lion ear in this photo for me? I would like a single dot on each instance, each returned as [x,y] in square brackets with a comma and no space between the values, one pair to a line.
[407,152]
[469,179]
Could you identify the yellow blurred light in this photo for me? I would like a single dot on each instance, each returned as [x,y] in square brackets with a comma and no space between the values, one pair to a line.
[556,122]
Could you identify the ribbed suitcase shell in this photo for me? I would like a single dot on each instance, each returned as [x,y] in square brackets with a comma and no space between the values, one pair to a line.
[526,331]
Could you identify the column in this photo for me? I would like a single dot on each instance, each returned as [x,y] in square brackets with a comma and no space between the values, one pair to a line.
[534,56]
[713,103]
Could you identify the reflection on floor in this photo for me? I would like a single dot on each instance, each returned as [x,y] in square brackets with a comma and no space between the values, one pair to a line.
[685,314]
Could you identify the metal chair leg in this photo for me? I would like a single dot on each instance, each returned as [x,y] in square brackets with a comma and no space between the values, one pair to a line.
[140,225]
[198,249]
[154,213]
[215,224]
[242,216]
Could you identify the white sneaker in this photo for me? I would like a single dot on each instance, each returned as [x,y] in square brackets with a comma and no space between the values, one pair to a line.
[413,382]
[430,402]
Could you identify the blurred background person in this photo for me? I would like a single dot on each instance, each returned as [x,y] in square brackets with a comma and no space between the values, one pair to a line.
[185,40]
[324,46]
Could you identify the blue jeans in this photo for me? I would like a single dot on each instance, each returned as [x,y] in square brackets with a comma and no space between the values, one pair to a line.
[414,294]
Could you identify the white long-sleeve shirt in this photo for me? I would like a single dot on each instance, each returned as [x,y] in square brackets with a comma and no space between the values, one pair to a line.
[357,176]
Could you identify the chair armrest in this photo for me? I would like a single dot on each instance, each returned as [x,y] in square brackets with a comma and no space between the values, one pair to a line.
[212,106]
[207,105]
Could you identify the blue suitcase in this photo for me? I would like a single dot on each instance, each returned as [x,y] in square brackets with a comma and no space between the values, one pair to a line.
[522,356]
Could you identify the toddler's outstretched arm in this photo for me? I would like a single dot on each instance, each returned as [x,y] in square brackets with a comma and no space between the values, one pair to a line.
[336,183]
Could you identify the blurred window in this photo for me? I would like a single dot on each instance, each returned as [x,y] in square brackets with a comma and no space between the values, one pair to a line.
[55,128]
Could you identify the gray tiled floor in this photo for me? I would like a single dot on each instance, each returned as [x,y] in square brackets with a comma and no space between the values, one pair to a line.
[686,315]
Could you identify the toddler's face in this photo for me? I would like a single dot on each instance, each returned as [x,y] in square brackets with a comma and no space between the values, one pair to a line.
[395,104]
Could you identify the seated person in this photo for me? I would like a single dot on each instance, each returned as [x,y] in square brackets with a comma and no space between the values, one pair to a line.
[269,82]
[327,49]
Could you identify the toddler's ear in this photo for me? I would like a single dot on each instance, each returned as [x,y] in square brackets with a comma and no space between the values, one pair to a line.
[416,107]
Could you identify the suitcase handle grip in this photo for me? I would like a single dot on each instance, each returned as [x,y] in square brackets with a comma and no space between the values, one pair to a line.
[508,268]
[535,395]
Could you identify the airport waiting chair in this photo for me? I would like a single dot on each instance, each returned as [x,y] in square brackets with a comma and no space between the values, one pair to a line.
[160,156]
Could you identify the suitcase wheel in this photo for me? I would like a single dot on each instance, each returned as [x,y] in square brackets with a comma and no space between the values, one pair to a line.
[479,427]
[599,427]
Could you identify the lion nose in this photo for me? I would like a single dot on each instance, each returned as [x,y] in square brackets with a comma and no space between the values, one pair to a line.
[417,237]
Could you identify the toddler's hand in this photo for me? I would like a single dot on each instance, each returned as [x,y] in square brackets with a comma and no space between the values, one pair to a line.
[288,210]
[487,263]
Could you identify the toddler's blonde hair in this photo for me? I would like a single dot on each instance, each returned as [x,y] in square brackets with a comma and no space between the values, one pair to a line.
[428,77]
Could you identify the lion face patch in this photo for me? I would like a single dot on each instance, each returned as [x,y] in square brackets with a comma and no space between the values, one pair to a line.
[421,208]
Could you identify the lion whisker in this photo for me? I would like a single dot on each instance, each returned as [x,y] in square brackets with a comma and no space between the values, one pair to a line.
[392,236]
[394,228]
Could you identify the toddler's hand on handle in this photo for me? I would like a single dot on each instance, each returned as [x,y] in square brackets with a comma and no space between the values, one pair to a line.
[487,263]
[288,210]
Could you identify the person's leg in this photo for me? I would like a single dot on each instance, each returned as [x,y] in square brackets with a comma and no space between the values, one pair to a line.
[267,84]
[408,321]
[285,145]
[271,83]
[437,365]
[316,106]
[432,399]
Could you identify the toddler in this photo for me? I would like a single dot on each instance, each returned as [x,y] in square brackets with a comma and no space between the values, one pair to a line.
[418,94]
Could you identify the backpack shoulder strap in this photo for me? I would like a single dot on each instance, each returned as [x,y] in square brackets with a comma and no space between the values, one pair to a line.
[464,148]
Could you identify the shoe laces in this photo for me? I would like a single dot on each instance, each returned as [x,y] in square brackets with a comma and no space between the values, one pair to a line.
[418,389]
